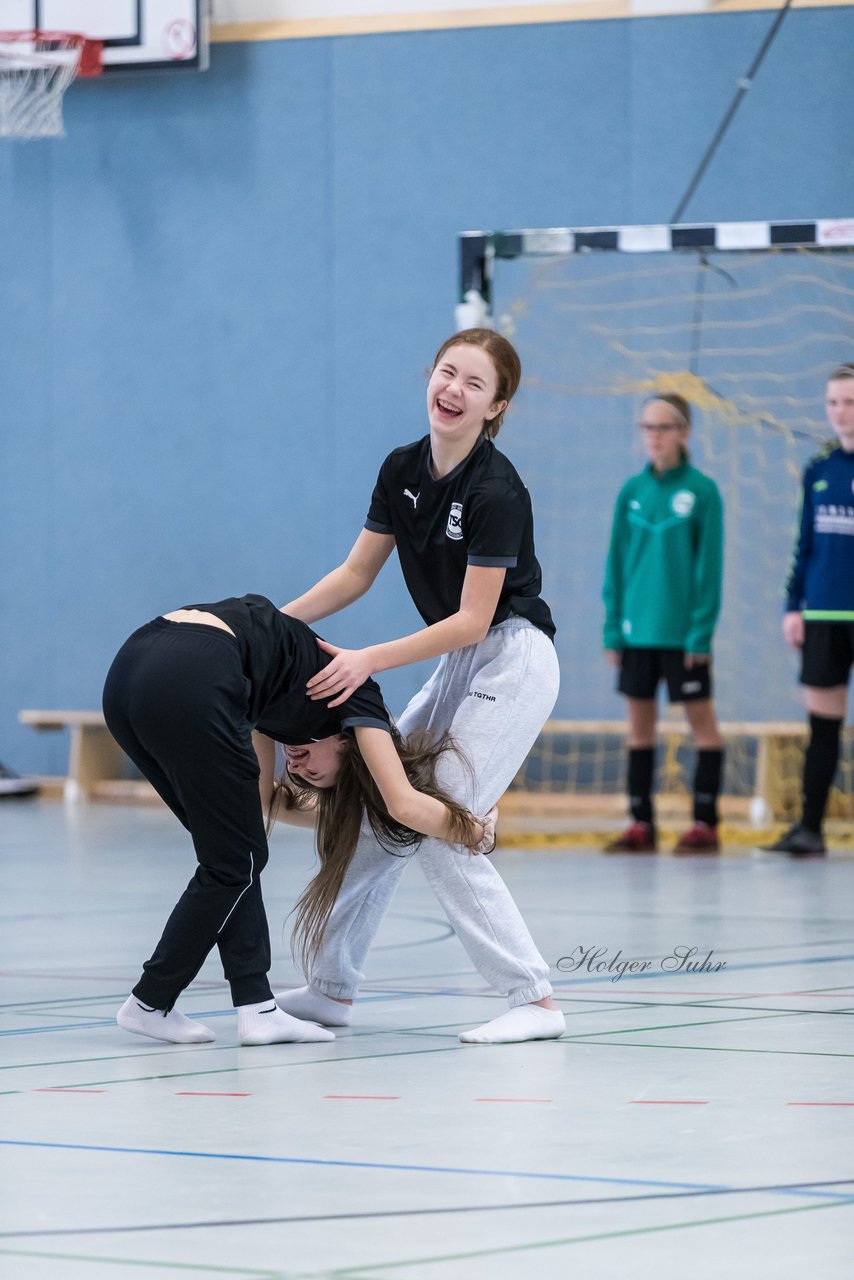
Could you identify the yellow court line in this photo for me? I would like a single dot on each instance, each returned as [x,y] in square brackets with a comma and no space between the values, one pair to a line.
[460,19]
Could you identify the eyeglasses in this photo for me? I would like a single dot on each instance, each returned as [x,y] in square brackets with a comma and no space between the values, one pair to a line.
[659,426]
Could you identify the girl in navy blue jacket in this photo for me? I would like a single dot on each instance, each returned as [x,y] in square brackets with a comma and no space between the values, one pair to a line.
[819,618]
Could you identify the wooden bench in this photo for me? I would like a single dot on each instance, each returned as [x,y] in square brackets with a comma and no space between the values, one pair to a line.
[97,766]
[96,763]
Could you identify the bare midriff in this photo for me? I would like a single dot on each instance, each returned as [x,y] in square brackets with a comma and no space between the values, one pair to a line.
[198,616]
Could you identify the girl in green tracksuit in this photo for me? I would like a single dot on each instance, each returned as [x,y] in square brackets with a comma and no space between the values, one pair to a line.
[662,597]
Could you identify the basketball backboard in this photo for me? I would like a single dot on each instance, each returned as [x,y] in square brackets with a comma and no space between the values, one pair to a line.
[138,35]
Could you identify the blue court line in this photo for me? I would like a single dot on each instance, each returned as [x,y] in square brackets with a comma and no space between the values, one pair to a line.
[77,1026]
[102,1022]
[17,1005]
[362,1164]
[399,1168]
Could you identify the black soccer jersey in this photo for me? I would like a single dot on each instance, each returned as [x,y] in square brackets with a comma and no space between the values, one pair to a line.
[280,654]
[478,514]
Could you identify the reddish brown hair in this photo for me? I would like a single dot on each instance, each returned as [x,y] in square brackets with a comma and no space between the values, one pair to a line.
[505,362]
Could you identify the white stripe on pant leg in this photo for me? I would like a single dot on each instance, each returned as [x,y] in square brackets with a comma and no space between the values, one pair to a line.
[242,891]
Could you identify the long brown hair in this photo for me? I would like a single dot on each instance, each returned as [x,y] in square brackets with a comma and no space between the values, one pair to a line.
[505,361]
[340,809]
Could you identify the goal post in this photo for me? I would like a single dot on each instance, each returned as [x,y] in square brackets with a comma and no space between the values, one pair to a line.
[745,320]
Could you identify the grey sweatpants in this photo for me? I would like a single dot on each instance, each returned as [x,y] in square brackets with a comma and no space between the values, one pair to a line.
[493,698]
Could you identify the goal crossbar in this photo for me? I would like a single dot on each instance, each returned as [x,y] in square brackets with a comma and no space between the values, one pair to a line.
[479,249]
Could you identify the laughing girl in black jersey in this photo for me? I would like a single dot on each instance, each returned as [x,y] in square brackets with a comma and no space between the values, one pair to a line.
[460,518]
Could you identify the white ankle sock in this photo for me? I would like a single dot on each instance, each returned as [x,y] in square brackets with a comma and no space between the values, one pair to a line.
[172,1026]
[266,1024]
[302,1002]
[525,1022]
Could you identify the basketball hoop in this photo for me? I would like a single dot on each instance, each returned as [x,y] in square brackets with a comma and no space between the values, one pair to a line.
[36,67]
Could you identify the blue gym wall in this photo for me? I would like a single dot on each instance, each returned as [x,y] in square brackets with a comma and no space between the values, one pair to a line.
[220,292]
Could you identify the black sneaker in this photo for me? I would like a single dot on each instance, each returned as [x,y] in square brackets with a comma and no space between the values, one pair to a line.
[11,784]
[798,842]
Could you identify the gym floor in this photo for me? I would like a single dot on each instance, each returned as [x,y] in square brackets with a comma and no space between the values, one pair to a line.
[691,1122]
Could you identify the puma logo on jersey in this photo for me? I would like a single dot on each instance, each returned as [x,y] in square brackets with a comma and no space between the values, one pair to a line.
[414,497]
[455,522]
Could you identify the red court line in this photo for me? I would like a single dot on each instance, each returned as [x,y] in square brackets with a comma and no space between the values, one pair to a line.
[669,1102]
[365,1097]
[46,1090]
[198,1093]
[514,1099]
[820,1104]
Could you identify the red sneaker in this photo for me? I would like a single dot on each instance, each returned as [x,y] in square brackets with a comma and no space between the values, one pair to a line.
[702,838]
[638,838]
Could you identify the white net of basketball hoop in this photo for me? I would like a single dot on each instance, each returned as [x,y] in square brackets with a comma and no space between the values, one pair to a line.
[36,67]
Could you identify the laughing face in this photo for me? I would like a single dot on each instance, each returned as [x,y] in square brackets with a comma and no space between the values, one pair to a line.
[461,393]
[317,762]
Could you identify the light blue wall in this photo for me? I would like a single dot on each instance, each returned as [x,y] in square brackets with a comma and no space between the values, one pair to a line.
[220,292]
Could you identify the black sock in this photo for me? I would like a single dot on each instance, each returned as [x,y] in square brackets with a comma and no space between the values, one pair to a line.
[820,763]
[707,785]
[641,765]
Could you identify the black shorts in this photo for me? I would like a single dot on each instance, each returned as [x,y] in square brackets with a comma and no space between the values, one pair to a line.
[827,654]
[642,669]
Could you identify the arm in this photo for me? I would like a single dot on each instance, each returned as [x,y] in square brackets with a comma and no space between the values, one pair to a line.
[407,806]
[346,583]
[708,576]
[793,618]
[801,552]
[612,589]
[352,667]
[265,750]
[794,631]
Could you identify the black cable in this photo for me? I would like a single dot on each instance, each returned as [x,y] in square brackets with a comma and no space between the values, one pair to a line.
[743,85]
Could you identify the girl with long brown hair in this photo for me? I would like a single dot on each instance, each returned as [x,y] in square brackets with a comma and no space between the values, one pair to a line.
[182,698]
[460,518]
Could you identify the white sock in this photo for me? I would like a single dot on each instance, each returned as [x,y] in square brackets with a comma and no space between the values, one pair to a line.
[172,1026]
[302,1002]
[265,1023]
[525,1022]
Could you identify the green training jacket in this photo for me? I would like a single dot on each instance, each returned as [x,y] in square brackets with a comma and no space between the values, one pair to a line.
[665,562]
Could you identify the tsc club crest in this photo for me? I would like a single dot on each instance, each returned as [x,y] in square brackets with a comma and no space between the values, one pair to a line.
[682,502]
[455,521]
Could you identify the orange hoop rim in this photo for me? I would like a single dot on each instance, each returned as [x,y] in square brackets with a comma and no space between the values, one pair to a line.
[90,51]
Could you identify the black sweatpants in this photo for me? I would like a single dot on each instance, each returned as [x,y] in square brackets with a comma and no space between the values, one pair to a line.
[176,701]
